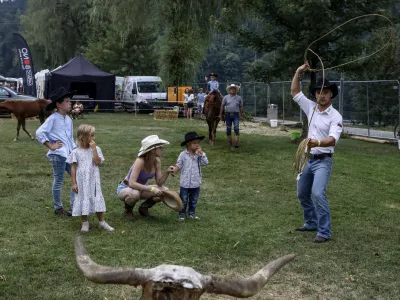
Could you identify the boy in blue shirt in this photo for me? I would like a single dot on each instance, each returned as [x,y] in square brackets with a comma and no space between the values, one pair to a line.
[213,84]
[189,163]
[57,135]
[200,101]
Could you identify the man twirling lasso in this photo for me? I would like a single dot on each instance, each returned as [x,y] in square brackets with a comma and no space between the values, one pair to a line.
[324,131]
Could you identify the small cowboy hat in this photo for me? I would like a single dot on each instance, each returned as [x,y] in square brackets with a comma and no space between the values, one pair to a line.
[237,87]
[57,96]
[151,142]
[213,74]
[190,136]
[172,200]
[327,85]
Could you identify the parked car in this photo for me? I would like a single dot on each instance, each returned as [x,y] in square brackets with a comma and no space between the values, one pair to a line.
[9,94]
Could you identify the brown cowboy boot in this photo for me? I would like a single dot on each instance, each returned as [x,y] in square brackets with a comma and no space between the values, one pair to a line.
[229,140]
[236,141]
[144,207]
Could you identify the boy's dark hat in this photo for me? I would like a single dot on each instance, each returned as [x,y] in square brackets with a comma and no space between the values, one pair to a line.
[190,136]
[327,85]
[57,96]
[213,74]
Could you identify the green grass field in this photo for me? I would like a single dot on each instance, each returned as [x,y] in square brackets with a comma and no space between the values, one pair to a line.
[248,210]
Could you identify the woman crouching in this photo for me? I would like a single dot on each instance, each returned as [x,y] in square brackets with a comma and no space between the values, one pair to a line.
[147,166]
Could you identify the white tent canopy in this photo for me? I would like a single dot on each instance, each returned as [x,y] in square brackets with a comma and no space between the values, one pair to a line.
[40,78]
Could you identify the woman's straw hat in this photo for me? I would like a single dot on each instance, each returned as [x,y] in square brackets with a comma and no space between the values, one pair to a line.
[151,142]
[172,200]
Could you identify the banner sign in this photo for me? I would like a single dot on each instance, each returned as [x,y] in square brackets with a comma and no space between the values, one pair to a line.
[26,65]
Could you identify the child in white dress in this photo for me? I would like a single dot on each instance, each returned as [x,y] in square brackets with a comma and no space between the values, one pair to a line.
[85,175]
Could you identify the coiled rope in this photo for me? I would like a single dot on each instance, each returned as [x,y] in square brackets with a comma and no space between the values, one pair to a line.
[303,151]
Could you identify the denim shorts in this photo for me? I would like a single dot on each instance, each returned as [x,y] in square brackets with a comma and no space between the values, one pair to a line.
[120,187]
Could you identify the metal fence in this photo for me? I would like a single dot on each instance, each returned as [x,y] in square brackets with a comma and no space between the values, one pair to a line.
[370,108]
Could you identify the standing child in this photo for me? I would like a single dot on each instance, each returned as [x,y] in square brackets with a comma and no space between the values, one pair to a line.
[86,178]
[200,102]
[190,162]
[56,134]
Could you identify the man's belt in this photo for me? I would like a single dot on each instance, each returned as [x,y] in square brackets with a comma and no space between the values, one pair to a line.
[231,113]
[320,156]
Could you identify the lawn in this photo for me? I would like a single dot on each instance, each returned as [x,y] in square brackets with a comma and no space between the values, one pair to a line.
[248,211]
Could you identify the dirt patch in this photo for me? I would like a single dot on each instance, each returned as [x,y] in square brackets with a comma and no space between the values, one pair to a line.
[258,128]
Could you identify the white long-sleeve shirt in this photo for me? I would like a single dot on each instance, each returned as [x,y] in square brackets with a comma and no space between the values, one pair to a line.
[57,128]
[191,168]
[323,124]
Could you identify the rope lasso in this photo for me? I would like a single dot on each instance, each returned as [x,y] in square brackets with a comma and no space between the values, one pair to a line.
[303,151]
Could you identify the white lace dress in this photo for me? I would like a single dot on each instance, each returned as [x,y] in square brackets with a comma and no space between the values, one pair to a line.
[89,198]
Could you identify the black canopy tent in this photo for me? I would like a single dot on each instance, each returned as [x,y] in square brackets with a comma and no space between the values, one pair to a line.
[81,75]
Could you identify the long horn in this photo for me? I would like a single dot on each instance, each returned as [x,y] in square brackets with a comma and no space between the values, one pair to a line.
[102,274]
[247,287]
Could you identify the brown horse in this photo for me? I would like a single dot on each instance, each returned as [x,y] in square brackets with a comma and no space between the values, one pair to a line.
[23,109]
[211,110]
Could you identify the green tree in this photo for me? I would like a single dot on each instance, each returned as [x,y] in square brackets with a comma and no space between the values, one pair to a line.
[56,30]
[10,12]
[184,30]
[133,54]
[286,28]
[226,58]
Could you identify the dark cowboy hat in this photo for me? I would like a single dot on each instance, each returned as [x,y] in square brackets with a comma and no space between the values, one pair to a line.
[190,136]
[327,85]
[58,96]
[213,74]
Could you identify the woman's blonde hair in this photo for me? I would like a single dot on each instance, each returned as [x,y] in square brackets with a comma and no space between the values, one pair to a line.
[149,160]
[84,134]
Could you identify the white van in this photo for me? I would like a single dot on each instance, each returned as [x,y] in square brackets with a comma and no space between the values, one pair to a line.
[119,81]
[145,91]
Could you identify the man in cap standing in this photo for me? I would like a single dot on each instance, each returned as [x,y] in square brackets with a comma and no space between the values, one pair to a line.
[233,105]
[324,132]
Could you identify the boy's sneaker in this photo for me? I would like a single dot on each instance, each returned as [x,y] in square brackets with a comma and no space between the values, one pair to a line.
[61,212]
[181,218]
[194,217]
[105,226]
[85,227]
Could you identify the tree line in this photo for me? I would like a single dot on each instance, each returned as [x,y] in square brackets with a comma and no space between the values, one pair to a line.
[183,40]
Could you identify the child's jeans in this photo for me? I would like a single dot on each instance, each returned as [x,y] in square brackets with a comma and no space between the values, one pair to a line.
[189,195]
[59,167]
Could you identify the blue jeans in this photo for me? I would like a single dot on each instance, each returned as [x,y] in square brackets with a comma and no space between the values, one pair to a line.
[59,168]
[311,189]
[189,195]
[229,119]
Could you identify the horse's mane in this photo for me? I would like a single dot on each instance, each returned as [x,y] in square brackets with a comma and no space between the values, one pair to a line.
[213,103]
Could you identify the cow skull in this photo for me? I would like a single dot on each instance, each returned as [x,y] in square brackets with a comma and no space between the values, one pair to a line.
[169,282]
